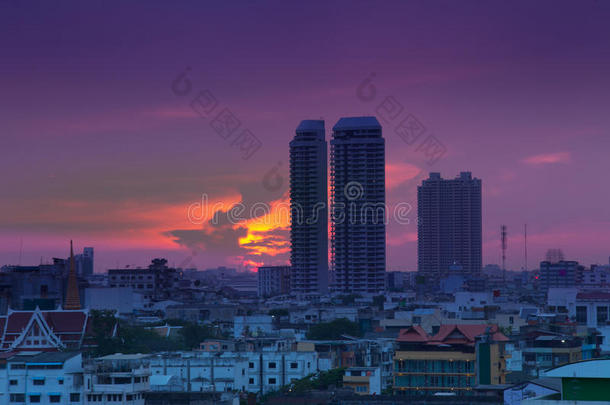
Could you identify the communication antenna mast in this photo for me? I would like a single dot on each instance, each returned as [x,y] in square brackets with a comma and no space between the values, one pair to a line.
[503,234]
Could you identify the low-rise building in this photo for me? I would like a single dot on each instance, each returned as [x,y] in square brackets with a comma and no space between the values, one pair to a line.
[363,380]
[250,371]
[548,351]
[455,360]
[117,378]
[582,383]
[44,378]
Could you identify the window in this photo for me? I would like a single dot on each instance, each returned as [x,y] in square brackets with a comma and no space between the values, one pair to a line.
[581,314]
[75,397]
[251,381]
[14,382]
[17,398]
[602,315]
[35,398]
[272,364]
[243,371]
[294,364]
[250,365]
[54,399]
[60,381]
[272,381]
[38,381]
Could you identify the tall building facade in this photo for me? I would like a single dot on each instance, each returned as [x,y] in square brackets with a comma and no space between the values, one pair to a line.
[448,226]
[273,280]
[309,209]
[358,205]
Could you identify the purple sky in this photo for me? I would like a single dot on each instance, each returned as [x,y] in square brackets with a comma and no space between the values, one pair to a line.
[96,147]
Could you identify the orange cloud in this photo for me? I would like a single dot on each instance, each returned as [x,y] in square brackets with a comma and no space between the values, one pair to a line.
[398,173]
[402,239]
[548,158]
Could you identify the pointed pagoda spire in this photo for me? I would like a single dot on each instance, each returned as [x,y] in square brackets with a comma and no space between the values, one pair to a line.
[72,295]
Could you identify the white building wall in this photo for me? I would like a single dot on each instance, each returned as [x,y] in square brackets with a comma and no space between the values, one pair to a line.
[47,383]
[239,370]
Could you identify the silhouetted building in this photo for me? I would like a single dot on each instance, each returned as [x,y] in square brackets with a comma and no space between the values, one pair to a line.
[157,282]
[273,280]
[26,287]
[395,280]
[84,263]
[358,205]
[558,275]
[309,209]
[449,226]
[46,286]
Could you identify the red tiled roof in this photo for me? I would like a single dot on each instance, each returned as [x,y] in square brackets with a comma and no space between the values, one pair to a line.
[63,322]
[68,326]
[452,334]
[17,321]
[413,334]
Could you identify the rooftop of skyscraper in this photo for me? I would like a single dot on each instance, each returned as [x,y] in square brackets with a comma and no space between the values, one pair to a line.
[311,125]
[347,123]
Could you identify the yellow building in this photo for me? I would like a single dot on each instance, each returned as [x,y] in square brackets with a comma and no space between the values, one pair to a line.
[456,359]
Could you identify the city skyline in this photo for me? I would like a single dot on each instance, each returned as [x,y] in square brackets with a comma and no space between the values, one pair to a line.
[99,149]
[326,202]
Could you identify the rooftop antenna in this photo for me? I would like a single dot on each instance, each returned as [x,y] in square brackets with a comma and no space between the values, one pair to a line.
[503,235]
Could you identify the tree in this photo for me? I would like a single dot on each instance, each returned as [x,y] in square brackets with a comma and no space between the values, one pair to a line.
[102,326]
[334,330]
[320,381]
[193,335]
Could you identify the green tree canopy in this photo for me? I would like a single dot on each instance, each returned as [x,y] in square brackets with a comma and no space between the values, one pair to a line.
[333,330]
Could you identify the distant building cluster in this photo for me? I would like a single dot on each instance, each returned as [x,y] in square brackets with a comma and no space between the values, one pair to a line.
[341,329]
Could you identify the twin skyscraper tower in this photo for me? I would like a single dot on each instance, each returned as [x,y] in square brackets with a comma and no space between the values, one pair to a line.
[356,212]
